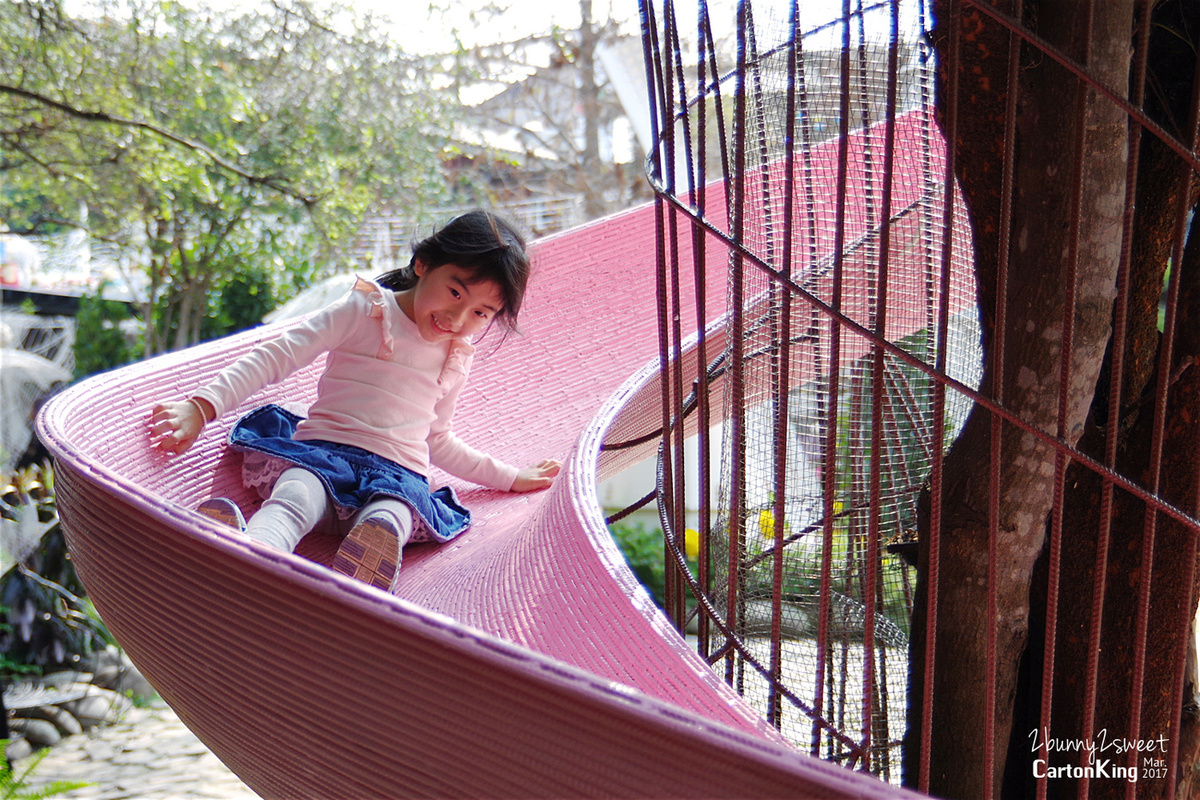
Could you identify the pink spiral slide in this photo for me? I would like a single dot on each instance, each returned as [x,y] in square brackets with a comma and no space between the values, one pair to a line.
[521,660]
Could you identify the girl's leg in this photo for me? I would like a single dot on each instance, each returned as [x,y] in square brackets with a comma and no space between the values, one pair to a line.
[297,503]
[371,551]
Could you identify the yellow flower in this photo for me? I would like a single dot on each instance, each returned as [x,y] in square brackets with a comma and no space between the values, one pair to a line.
[766,523]
[691,544]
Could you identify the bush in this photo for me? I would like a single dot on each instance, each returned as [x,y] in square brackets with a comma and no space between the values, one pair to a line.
[241,303]
[100,340]
[642,547]
[643,551]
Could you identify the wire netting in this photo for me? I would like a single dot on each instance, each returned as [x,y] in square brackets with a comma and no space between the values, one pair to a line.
[806,151]
[36,359]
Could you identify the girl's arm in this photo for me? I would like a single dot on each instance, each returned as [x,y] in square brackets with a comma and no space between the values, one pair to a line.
[175,426]
[452,454]
[276,359]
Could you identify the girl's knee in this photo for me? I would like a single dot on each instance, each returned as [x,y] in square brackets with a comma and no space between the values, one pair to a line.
[298,504]
[303,494]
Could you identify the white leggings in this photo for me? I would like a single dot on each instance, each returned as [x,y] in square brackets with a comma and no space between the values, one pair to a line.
[299,502]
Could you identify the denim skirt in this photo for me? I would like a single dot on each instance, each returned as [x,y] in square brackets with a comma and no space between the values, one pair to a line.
[352,476]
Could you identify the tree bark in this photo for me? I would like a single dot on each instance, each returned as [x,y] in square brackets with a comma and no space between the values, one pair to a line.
[1162,190]
[1041,252]
[589,92]
[1172,591]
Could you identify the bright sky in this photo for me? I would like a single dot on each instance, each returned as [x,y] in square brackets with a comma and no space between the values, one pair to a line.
[428,25]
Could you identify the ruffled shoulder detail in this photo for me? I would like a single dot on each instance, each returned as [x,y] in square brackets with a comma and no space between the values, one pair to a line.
[379,308]
[458,359]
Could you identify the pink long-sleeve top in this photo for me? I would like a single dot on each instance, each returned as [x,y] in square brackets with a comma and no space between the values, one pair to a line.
[384,389]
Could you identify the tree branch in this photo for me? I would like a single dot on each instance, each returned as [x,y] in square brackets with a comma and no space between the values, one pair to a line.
[40,221]
[271,182]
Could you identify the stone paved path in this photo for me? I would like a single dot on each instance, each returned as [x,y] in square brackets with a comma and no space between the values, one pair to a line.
[148,755]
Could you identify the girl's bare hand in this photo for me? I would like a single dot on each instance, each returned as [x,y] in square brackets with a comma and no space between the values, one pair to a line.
[174,427]
[539,476]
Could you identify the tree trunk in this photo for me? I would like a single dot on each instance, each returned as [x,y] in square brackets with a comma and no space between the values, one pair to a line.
[589,93]
[967,756]
[1161,192]
[1172,590]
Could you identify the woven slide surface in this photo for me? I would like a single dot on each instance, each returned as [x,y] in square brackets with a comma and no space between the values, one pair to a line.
[520,660]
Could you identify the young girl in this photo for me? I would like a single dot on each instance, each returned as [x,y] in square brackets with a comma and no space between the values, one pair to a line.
[398,356]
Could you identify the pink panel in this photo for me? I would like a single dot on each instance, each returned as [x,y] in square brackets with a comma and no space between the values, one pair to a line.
[521,659]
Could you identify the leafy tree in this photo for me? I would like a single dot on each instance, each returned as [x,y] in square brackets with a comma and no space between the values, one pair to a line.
[100,341]
[211,143]
[552,98]
[241,304]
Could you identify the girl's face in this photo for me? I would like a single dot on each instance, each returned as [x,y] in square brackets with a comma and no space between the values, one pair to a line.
[445,304]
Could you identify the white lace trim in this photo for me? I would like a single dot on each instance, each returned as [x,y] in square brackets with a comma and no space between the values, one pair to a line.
[260,471]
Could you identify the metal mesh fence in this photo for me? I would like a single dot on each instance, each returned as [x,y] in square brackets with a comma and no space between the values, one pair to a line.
[844,402]
[814,165]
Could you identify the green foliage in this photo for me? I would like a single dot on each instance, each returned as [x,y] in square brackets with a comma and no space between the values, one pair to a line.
[16,787]
[140,700]
[643,550]
[214,144]
[242,302]
[100,341]
[11,670]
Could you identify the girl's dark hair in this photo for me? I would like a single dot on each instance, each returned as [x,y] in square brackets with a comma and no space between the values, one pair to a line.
[482,243]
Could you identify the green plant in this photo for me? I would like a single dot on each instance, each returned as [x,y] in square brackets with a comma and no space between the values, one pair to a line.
[642,547]
[16,787]
[11,670]
[140,700]
[100,340]
[48,621]
[643,550]
[242,302]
